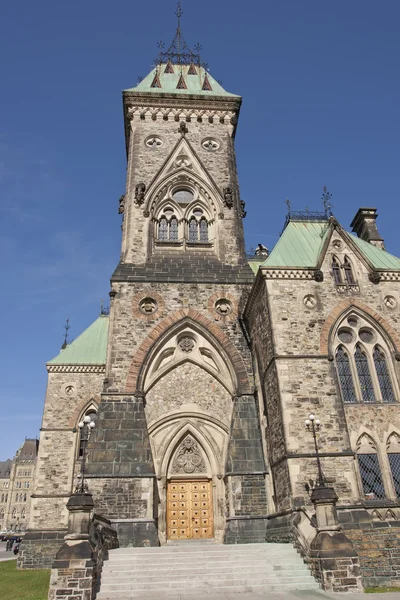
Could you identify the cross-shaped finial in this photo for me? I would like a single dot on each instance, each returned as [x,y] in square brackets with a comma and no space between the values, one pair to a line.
[179,11]
[326,200]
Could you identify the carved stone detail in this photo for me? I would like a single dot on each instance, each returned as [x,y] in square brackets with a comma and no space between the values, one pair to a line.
[390,302]
[186,344]
[188,458]
[183,130]
[375,277]
[121,205]
[318,275]
[139,193]
[310,301]
[228,197]
[243,212]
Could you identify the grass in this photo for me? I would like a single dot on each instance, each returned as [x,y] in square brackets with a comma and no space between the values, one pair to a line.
[379,590]
[23,585]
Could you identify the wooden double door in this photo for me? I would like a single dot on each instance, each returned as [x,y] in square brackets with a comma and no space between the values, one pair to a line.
[189,510]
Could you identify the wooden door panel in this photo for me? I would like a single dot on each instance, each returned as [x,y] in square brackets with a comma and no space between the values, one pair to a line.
[189,510]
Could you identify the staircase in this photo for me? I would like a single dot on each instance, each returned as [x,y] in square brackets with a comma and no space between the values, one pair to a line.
[203,568]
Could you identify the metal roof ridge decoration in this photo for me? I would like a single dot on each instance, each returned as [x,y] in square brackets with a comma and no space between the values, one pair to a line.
[178,52]
[307,215]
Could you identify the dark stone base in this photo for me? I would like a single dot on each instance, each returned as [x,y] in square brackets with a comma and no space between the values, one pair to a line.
[39,548]
[245,531]
[281,529]
[141,533]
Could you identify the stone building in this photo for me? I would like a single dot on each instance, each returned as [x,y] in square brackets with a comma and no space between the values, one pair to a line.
[5,472]
[16,487]
[208,363]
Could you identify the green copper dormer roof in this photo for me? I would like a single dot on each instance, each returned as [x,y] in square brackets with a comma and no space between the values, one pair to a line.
[302,242]
[299,245]
[180,81]
[89,348]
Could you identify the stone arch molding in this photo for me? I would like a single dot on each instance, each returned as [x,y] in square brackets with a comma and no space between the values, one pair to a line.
[82,409]
[187,342]
[224,351]
[343,310]
[212,460]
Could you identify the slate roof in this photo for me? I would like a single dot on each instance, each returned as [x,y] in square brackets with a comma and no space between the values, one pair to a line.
[28,450]
[169,82]
[89,348]
[5,468]
[302,241]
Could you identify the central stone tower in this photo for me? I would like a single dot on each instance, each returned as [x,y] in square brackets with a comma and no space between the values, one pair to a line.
[177,453]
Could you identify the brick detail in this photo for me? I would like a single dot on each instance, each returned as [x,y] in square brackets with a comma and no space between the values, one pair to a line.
[133,380]
[357,304]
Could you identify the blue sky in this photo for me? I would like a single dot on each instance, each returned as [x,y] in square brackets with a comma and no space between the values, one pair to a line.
[321,97]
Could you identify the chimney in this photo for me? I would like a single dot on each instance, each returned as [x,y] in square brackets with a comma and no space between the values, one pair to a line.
[364,225]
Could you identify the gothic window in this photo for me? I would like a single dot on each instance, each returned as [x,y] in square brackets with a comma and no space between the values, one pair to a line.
[93,417]
[371,476]
[345,376]
[203,230]
[348,272]
[2,513]
[337,276]
[24,497]
[193,230]
[382,372]
[163,229]
[173,229]
[364,375]
[14,513]
[23,513]
[363,363]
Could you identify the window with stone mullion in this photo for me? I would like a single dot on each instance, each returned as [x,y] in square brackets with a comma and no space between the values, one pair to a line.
[364,375]
[345,376]
[193,230]
[382,372]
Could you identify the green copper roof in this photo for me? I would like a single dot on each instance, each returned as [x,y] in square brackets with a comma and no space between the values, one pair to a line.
[168,82]
[299,245]
[379,258]
[89,348]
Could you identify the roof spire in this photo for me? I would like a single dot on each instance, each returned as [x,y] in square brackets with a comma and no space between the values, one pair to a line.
[67,327]
[326,201]
[179,52]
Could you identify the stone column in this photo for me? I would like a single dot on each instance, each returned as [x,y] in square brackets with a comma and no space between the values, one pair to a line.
[333,558]
[245,476]
[73,572]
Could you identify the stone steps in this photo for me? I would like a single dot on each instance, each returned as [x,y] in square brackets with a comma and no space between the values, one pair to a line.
[202,568]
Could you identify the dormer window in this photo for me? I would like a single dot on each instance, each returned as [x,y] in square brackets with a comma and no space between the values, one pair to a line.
[343,275]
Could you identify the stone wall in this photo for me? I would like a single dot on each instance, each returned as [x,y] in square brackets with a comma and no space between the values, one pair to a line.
[38,549]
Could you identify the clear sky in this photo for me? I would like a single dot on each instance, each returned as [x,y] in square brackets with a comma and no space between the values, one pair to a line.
[321,95]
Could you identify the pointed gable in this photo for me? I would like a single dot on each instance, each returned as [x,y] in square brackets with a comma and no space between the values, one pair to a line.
[169,68]
[181,85]
[156,81]
[192,69]
[206,84]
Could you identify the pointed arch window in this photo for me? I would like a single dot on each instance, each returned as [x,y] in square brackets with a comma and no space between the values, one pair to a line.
[173,229]
[393,450]
[382,372]
[348,272]
[23,513]
[92,413]
[163,229]
[364,375]
[371,476]
[345,376]
[203,230]
[193,230]
[14,513]
[363,364]
[337,276]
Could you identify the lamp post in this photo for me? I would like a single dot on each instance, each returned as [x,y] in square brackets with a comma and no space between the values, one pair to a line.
[85,427]
[312,424]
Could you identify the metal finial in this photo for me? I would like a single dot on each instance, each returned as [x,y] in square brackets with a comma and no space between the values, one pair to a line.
[289,205]
[179,52]
[326,200]
[67,327]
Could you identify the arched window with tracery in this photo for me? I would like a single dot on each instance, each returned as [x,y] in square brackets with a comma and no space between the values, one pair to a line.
[337,275]
[364,375]
[369,468]
[345,376]
[198,229]
[382,372]
[203,230]
[193,233]
[363,362]
[348,272]
[168,227]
